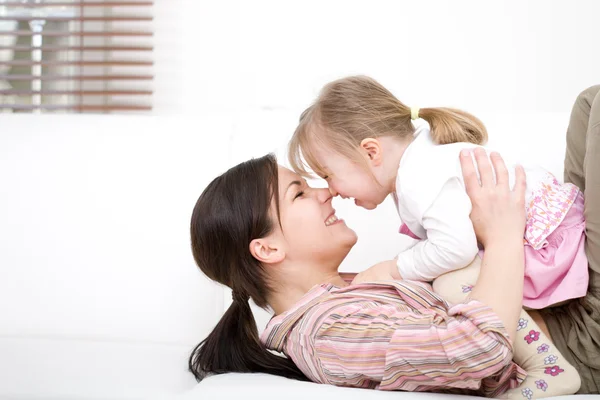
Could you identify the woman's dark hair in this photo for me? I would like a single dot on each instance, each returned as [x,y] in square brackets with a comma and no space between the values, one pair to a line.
[233,210]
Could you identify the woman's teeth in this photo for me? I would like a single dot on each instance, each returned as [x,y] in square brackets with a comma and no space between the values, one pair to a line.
[331,220]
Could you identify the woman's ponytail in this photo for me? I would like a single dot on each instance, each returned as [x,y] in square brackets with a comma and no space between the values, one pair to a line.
[234,346]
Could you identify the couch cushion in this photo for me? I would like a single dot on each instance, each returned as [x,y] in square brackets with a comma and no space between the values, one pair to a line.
[263,386]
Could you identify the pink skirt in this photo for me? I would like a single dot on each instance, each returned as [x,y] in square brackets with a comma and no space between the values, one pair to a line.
[558,271]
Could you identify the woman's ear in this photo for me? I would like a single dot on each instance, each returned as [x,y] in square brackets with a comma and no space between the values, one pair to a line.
[373,150]
[267,251]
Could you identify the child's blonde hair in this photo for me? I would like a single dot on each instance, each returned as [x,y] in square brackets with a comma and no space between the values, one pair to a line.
[352,109]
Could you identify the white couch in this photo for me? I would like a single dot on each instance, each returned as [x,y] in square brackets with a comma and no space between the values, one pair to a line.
[99,295]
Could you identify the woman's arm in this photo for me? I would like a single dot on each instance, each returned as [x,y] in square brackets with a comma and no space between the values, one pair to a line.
[498,217]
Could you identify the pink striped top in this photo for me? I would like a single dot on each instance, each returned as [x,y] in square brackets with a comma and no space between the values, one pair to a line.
[395,336]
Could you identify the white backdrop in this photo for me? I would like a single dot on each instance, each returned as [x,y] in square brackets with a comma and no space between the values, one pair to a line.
[99,296]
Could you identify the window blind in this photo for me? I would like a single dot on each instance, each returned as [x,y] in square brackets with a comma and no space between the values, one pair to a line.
[76,56]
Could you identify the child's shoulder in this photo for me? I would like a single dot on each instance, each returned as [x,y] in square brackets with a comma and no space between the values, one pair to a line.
[431,159]
[424,173]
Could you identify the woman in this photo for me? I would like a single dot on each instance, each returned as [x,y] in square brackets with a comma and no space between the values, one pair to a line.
[262,231]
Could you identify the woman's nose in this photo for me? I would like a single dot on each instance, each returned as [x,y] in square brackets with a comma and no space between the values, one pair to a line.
[333,191]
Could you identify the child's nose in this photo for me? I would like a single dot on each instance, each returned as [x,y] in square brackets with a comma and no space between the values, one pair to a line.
[323,195]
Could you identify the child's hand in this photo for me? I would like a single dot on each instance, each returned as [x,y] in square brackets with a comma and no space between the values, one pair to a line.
[383,271]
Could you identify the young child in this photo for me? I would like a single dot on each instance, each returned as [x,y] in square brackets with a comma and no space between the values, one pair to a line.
[362,141]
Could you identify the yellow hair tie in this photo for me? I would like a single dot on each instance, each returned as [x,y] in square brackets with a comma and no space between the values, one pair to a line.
[414,113]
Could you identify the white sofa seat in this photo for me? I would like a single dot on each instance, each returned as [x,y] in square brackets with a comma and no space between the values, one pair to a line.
[263,386]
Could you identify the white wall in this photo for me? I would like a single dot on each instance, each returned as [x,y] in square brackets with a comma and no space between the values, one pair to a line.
[492,55]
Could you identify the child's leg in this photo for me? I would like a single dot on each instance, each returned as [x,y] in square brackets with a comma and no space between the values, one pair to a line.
[548,373]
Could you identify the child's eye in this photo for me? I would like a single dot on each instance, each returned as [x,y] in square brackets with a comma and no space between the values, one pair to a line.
[299,194]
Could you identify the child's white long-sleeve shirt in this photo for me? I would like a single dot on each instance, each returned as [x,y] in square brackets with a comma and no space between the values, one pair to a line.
[432,201]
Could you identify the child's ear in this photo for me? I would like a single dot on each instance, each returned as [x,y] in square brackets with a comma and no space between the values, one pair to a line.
[373,150]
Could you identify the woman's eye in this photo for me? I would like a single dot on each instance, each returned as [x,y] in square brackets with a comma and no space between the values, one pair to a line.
[326,177]
[299,194]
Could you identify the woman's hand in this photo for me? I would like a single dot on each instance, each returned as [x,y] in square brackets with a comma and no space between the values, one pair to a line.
[498,217]
[383,271]
[498,212]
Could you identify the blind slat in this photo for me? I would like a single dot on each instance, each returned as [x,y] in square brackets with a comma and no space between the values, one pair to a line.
[78,33]
[111,63]
[77,107]
[77,77]
[116,18]
[81,4]
[78,48]
[11,92]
